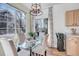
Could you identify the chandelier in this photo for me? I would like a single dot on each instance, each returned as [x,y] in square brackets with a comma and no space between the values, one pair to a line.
[36,9]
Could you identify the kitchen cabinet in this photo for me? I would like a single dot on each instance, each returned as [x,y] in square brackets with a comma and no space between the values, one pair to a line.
[72,45]
[72,18]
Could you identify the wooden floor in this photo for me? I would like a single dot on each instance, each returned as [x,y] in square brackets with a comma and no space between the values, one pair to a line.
[55,52]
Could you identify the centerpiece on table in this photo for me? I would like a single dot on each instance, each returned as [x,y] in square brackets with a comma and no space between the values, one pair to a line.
[32,35]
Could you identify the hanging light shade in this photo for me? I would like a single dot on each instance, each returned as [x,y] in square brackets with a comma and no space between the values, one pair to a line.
[36,9]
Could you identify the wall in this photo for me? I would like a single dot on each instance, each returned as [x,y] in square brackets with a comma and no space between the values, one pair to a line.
[59,18]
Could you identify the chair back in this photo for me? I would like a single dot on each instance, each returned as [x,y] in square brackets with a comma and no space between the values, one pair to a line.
[8,47]
[37,54]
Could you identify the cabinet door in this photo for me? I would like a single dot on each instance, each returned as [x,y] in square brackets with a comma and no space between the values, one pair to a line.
[77,42]
[76,16]
[72,47]
[69,18]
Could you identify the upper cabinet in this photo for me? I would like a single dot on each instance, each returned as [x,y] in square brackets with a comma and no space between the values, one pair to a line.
[72,18]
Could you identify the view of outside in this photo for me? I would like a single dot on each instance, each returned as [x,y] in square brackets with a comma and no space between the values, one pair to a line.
[8,20]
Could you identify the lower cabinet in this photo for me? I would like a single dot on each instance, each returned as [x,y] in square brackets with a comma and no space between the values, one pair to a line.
[72,46]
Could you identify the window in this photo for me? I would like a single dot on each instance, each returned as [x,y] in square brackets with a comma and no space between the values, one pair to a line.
[6,22]
[9,17]
[41,25]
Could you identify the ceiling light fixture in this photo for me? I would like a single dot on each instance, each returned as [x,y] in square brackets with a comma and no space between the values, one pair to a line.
[36,9]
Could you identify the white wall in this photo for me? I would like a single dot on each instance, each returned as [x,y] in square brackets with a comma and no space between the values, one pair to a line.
[59,18]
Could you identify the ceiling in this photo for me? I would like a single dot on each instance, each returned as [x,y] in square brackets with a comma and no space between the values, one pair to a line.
[43,5]
[20,6]
[27,6]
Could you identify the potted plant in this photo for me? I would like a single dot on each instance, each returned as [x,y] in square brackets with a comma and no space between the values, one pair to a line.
[32,34]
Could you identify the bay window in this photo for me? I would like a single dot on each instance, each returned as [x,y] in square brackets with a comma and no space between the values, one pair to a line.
[9,17]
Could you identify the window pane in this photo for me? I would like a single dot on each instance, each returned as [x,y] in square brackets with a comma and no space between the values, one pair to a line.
[3,25]
[2,18]
[11,25]
[12,30]
[3,31]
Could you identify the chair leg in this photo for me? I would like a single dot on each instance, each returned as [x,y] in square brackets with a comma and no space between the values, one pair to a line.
[30,51]
[45,52]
